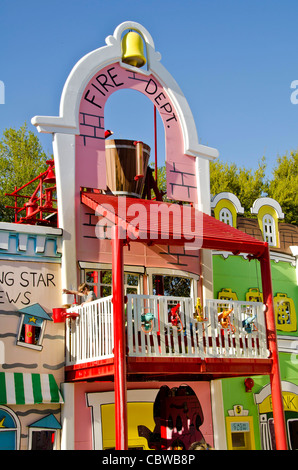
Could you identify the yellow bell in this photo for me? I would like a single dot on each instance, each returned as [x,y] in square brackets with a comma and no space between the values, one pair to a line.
[132,49]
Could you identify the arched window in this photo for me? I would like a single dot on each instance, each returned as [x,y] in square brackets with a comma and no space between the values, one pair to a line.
[226,207]
[225,215]
[269,230]
[9,429]
[268,212]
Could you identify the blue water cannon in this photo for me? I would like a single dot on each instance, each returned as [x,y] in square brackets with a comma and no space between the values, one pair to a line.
[147,320]
[248,324]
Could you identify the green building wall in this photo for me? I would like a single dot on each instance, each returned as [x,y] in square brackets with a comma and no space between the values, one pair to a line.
[239,275]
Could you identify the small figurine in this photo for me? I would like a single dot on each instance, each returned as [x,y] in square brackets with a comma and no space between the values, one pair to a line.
[199,315]
[249,325]
[224,319]
[175,318]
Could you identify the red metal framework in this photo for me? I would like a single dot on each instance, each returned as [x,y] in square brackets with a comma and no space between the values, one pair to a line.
[40,208]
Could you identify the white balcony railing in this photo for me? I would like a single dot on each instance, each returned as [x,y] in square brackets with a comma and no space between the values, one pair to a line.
[152,330]
[163,326]
[89,336]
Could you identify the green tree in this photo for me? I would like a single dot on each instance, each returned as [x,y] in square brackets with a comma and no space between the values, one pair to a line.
[21,159]
[283,187]
[245,183]
[248,184]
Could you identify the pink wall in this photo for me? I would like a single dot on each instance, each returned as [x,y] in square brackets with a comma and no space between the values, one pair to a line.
[90,144]
[92,249]
[138,254]
[82,413]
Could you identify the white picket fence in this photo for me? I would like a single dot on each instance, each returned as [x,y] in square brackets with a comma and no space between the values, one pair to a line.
[164,326]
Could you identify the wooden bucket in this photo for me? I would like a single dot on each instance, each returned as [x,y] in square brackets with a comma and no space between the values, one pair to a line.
[121,164]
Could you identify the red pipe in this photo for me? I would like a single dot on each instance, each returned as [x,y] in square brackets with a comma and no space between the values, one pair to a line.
[276,390]
[119,341]
[155,143]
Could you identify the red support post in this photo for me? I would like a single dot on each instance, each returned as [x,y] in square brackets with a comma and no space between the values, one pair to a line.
[276,390]
[119,341]
[155,144]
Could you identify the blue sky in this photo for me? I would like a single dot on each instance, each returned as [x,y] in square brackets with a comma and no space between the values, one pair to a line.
[234,60]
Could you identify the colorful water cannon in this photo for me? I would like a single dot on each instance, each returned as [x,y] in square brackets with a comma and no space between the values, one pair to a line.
[249,324]
[147,322]
[224,320]
[199,314]
[175,317]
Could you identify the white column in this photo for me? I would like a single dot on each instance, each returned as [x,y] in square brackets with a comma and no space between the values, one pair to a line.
[218,416]
[67,417]
[64,155]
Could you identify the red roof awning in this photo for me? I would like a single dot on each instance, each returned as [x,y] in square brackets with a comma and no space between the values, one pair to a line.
[171,224]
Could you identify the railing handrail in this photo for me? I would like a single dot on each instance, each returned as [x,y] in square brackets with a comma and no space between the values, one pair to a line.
[74,308]
[90,335]
[171,297]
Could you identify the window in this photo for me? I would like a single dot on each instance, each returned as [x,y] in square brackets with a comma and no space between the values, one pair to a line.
[131,284]
[140,417]
[172,282]
[292,425]
[43,439]
[225,215]
[101,282]
[32,325]
[30,332]
[269,230]
[268,212]
[138,413]
[176,286]
[226,207]
[44,433]
[9,429]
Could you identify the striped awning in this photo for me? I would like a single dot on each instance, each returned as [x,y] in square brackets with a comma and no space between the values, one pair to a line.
[26,389]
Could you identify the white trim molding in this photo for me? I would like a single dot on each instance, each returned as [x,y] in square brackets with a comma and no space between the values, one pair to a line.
[230,197]
[267,201]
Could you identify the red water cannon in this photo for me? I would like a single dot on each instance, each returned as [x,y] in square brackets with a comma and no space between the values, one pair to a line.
[175,318]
